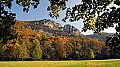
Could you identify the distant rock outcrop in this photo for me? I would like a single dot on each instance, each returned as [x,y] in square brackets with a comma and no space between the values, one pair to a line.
[71,29]
[51,24]
[52,28]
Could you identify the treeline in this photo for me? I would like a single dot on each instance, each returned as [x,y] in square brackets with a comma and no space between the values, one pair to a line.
[30,45]
[53,48]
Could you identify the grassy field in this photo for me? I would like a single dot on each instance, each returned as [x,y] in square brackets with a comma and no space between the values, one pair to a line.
[72,63]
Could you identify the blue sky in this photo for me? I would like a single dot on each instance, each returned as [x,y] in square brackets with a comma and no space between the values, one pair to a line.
[42,13]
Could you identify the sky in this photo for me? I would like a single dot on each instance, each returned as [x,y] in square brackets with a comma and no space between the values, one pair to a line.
[42,13]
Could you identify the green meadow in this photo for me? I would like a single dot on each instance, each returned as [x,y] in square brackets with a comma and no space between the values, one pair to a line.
[71,63]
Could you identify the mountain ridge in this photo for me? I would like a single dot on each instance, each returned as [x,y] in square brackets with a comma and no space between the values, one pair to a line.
[101,37]
[52,28]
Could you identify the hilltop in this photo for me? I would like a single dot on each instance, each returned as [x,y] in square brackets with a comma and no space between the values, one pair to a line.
[52,28]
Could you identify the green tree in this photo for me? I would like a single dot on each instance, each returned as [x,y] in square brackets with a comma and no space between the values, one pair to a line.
[36,50]
[114,43]
[16,51]
[5,26]
[96,14]
[20,51]
[2,51]
[47,50]
[24,51]
[90,53]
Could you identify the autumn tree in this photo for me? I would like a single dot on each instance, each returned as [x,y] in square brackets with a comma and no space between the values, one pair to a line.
[60,47]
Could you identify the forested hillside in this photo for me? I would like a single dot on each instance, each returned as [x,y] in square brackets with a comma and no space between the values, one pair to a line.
[101,37]
[33,45]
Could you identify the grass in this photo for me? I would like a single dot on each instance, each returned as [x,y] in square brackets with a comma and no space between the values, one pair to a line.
[72,63]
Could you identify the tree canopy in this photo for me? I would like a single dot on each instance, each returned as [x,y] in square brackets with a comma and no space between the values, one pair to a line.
[97,15]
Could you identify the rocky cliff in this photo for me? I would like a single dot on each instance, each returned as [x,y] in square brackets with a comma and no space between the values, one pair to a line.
[50,27]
